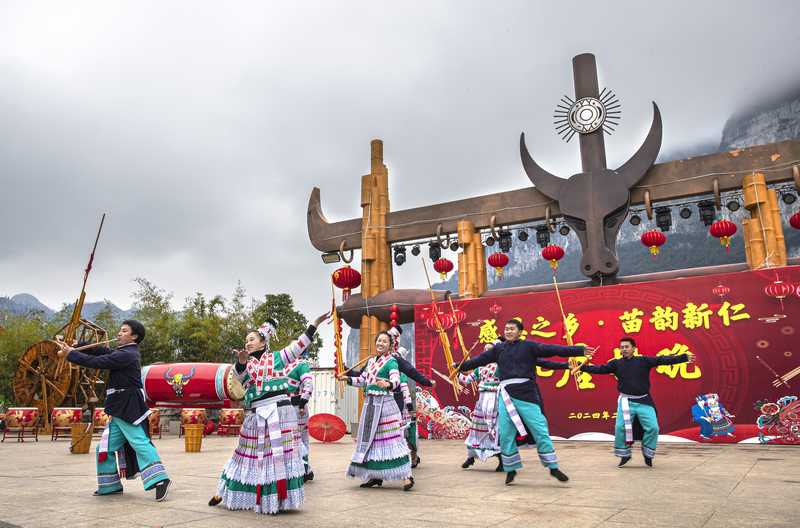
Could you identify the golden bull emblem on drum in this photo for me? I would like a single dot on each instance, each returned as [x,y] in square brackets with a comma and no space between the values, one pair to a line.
[178,381]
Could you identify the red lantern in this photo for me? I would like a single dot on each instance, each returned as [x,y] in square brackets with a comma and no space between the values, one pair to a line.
[778,289]
[720,290]
[553,253]
[654,239]
[498,261]
[723,230]
[794,220]
[443,266]
[459,315]
[445,319]
[347,279]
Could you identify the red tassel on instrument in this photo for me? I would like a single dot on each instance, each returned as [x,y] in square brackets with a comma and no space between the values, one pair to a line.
[102,456]
[258,494]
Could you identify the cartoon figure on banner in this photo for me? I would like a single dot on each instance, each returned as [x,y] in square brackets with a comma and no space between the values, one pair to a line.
[713,418]
[780,421]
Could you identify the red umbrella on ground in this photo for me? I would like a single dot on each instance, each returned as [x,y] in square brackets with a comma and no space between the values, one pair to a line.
[326,427]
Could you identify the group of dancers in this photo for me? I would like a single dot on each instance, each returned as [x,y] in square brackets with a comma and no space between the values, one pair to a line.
[270,465]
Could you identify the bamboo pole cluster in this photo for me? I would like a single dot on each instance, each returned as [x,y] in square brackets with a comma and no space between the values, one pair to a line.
[472,280]
[764,244]
[376,263]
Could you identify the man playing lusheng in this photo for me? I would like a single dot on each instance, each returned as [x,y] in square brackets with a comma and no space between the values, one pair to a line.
[521,400]
[636,410]
[128,411]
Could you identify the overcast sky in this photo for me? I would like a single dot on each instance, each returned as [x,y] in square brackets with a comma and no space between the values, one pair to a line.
[201,127]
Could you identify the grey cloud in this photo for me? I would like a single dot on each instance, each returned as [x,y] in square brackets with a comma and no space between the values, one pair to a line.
[202,129]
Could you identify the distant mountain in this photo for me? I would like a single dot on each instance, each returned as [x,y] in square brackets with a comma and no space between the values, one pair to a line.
[90,310]
[25,303]
[770,123]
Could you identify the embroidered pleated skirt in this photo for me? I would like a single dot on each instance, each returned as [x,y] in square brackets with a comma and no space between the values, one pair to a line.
[265,473]
[381,449]
[482,441]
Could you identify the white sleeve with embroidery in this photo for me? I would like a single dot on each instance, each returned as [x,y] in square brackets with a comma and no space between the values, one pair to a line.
[306,386]
[295,349]
[394,378]
[361,380]
[466,379]
[406,393]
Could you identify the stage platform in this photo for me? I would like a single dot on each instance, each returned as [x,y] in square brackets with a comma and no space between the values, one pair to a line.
[42,485]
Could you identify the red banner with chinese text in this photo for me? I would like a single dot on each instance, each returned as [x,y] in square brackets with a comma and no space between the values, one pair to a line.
[743,341]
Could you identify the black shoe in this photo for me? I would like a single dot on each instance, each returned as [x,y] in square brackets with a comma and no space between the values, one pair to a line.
[98,494]
[510,477]
[499,467]
[416,462]
[623,461]
[216,499]
[649,461]
[308,476]
[162,488]
[371,482]
[557,473]
[468,462]
[407,487]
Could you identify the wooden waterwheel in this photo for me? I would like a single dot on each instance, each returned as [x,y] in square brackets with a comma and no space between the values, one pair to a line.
[46,381]
[43,380]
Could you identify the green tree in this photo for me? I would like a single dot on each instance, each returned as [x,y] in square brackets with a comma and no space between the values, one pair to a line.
[18,333]
[200,328]
[238,320]
[152,308]
[291,323]
[106,320]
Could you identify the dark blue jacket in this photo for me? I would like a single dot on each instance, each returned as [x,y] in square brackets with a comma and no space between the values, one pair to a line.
[518,359]
[633,375]
[125,367]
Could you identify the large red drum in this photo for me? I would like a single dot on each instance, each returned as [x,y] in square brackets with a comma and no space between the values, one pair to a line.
[22,416]
[65,416]
[191,384]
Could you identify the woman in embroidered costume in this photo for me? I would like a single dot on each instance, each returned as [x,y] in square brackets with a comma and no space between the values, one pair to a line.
[265,473]
[381,451]
[301,387]
[482,441]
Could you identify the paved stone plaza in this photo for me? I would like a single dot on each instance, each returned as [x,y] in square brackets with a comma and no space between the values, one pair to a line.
[41,485]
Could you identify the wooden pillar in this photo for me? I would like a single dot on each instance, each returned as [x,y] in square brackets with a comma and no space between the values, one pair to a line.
[472,281]
[462,274]
[777,225]
[764,242]
[376,263]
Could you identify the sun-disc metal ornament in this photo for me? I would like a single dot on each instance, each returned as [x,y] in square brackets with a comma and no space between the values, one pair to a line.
[587,114]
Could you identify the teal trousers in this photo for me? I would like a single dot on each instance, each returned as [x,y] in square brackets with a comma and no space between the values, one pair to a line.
[646,415]
[536,423]
[119,432]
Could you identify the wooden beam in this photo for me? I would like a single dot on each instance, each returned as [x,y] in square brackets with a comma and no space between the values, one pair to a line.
[664,181]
